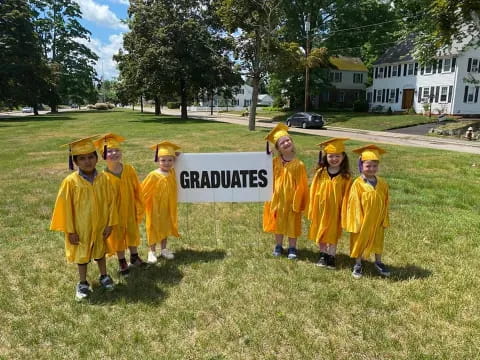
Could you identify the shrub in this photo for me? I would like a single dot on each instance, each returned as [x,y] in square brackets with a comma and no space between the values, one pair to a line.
[101,106]
[90,107]
[110,105]
[173,105]
[360,106]
[389,111]
[273,108]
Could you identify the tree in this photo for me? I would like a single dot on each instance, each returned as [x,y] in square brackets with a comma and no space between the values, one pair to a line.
[23,74]
[256,25]
[71,63]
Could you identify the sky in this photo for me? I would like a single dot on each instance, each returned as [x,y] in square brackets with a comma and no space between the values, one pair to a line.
[103,18]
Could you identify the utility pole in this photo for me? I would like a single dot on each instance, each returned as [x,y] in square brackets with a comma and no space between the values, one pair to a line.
[307,70]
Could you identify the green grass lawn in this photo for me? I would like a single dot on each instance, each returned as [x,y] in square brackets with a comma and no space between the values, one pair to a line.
[225,296]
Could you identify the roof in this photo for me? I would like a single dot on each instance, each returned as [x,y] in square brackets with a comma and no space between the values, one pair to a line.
[347,63]
[401,51]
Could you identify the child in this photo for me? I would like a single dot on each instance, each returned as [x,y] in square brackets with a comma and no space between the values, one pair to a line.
[367,211]
[123,179]
[328,194]
[85,211]
[283,214]
[160,196]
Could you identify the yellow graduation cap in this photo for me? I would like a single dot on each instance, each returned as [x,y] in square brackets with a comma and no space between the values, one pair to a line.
[277,132]
[109,140]
[164,148]
[80,147]
[369,152]
[334,146]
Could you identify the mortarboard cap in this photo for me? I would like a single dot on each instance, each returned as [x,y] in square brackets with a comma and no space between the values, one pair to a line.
[164,148]
[369,152]
[80,147]
[109,140]
[277,132]
[334,146]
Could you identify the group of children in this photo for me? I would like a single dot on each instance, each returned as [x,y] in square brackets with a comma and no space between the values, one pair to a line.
[333,202]
[100,212]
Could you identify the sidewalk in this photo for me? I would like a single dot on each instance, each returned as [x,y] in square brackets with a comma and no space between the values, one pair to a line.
[381,137]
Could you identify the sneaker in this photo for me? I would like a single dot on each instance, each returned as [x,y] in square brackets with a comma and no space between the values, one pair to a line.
[357,271]
[107,282]
[167,254]
[123,269]
[138,262]
[292,253]
[82,291]
[331,262]
[278,251]
[152,257]
[322,261]
[382,269]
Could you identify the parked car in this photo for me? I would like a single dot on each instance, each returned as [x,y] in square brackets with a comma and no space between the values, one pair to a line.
[27,109]
[306,120]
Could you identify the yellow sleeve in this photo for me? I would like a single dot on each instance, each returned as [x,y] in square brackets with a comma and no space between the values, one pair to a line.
[346,195]
[139,205]
[353,219]
[63,212]
[313,198]
[147,190]
[300,198]
[113,206]
[386,218]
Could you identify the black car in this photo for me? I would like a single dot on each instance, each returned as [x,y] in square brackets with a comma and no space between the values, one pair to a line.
[306,120]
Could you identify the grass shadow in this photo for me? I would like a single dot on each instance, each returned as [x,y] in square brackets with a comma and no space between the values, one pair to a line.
[397,273]
[151,284]
[168,119]
[25,119]
[342,261]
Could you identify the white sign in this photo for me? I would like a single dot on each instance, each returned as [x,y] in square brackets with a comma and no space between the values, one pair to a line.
[224,177]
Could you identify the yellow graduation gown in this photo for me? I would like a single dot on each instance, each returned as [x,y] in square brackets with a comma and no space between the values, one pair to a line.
[327,206]
[283,214]
[160,199]
[367,216]
[129,202]
[85,209]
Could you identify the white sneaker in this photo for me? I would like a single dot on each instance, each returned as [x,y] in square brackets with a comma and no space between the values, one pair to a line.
[167,254]
[152,258]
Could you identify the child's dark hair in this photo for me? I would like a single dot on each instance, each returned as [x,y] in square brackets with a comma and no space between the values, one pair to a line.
[344,165]
[75,157]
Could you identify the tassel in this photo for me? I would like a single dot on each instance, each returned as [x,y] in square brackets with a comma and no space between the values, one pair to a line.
[320,158]
[70,159]
[105,152]
[156,154]
[268,149]
[360,165]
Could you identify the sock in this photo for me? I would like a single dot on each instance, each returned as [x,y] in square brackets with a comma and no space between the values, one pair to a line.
[133,258]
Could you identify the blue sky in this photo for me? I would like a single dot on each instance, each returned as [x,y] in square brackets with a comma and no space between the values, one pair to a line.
[103,18]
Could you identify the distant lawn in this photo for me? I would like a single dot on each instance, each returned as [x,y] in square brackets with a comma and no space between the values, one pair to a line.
[225,296]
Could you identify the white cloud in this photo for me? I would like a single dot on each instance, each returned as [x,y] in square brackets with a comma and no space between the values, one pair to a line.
[123,2]
[101,15]
[106,66]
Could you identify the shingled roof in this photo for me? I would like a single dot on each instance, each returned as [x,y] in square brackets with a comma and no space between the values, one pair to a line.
[402,51]
[347,63]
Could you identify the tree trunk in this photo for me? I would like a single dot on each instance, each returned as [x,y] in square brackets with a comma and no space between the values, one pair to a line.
[141,104]
[253,106]
[35,109]
[183,100]
[157,105]
[211,102]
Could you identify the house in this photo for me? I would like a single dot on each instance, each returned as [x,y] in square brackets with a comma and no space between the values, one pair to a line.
[242,98]
[265,100]
[347,78]
[448,85]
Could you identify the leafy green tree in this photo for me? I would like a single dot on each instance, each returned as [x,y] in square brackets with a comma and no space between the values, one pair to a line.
[72,63]
[24,77]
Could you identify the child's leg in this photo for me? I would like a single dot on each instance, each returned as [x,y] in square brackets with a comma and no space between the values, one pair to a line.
[292,242]
[381,267]
[378,258]
[292,248]
[332,249]
[278,250]
[163,244]
[102,266]
[322,247]
[279,239]
[82,272]
[135,260]
[153,247]
[167,254]
[122,262]
[105,280]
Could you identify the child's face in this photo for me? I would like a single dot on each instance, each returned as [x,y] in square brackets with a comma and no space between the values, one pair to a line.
[335,160]
[87,162]
[165,163]
[370,168]
[285,145]
[114,155]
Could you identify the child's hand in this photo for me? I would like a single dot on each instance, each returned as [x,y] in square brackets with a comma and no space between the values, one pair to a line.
[73,238]
[107,232]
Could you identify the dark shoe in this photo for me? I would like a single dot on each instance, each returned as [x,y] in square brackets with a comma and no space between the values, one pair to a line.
[137,262]
[382,269]
[123,269]
[357,271]
[331,262]
[278,251]
[292,253]
[107,282]
[322,261]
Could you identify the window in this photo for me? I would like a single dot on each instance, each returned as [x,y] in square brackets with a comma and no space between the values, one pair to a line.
[474,65]
[394,70]
[428,69]
[447,65]
[338,77]
[391,96]
[443,94]
[380,72]
[357,78]
[410,69]
[471,92]
[426,95]
[341,97]
[379,96]
[247,102]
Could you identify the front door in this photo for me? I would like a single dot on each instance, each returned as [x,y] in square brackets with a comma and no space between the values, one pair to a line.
[407,98]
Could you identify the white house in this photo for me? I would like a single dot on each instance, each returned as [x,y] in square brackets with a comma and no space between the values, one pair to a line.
[451,84]
[347,77]
[242,98]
